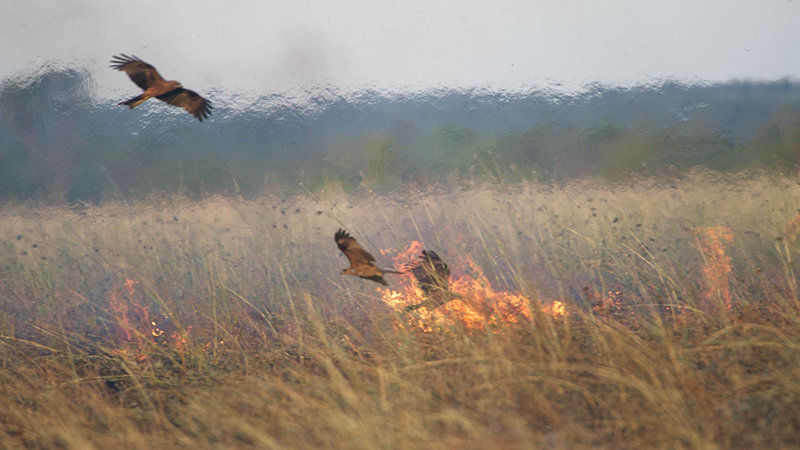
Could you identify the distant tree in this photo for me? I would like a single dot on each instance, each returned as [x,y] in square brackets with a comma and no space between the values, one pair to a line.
[41,115]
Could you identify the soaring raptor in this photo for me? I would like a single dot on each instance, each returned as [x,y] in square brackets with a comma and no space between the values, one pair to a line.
[361,262]
[147,77]
[433,277]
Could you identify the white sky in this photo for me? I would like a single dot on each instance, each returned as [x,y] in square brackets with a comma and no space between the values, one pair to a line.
[267,47]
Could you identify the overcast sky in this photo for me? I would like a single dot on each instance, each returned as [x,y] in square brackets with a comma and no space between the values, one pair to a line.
[265,47]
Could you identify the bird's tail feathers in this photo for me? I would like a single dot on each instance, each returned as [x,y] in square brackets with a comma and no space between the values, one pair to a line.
[135,101]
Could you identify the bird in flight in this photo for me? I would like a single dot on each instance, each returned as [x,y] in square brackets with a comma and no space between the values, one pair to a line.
[154,85]
[361,261]
[433,277]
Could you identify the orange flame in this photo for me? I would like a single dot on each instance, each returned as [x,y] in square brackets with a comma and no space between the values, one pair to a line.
[716,264]
[128,312]
[555,309]
[792,229]
[136,327]
[480,305]
[405,257]
[612,303]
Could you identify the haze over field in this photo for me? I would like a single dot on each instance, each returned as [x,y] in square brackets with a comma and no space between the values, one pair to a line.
[264,48]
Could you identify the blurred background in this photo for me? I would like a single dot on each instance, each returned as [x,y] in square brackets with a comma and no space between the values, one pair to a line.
[344,96]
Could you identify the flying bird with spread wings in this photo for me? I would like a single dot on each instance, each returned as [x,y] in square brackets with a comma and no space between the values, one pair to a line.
[361,261]
[154,85]
[433,277]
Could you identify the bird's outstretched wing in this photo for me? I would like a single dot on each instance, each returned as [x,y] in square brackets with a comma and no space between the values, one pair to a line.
[141,73]
[433,277]
[354,253]
[431,272]
[189,100]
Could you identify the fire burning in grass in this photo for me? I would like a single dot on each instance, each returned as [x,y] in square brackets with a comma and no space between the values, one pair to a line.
[137,329]
[474,302]
[716,264]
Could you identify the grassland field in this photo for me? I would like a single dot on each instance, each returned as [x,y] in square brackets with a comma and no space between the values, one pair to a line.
[226,323]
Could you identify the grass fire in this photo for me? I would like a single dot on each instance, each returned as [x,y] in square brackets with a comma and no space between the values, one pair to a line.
[522,315]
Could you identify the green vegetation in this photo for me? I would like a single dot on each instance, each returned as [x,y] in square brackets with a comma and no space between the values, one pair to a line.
[59,144]
[225,322]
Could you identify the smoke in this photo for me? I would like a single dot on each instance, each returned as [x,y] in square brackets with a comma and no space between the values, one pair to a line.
[310,59]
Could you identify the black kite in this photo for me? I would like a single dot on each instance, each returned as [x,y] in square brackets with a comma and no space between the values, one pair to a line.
[433,277]
[147,77]
[361,261]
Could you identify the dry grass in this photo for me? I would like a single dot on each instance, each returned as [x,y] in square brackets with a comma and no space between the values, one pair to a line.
[226,323]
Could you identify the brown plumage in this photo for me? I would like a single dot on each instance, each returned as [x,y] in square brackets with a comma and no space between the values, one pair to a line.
[147,77]
[433,277]
[361,261]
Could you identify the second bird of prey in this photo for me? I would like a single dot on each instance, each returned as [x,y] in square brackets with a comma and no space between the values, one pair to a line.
[361,261]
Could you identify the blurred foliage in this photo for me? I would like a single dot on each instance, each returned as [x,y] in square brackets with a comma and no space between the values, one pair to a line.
[59,145]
